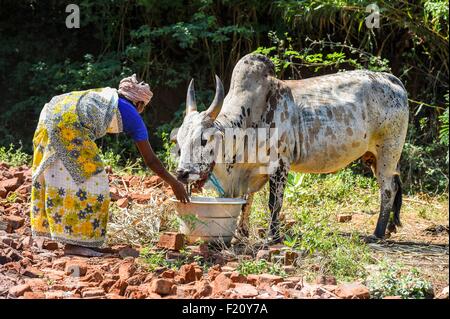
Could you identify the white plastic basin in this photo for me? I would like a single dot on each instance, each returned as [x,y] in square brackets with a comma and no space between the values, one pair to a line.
[209,219]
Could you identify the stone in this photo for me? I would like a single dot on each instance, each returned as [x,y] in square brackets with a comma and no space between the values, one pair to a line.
[141,198]
[114,193]
[187,292]
[126,270]
[5,226]
[93,292]
[3,192]
[119,287]
[122,202]
[221,284]
[269,279]
[128,252]
[253,279]
[171,240]
[237,277]
[202,289]
[343,218]
[443,294]
[14,221]
[57,294]
[162,286]
[187,272]
[245,290]
[75,268]
[32,272]
[49,245]
[19,290]
[136,280]
[106,284]
[34,295]
[352,291]
[392,297]
[94,276]
[11,184]
[170,274]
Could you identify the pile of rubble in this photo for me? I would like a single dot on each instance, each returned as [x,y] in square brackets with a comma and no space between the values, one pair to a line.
[38,268]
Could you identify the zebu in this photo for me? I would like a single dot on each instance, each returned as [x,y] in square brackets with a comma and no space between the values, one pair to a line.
[324,123]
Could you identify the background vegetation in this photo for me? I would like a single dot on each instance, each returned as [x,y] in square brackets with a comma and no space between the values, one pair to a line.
[168,42]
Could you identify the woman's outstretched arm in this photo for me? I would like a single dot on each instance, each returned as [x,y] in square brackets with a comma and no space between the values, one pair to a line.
[153,162]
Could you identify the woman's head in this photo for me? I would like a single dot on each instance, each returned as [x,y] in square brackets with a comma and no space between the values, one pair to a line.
[137,92]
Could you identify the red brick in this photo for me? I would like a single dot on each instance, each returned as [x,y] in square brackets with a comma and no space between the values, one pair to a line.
[187,272]
[93,292]
[34,295]
[352,291]
[269,279]
[170,240]
[127,270]
[221,284]
[162,286]
[11,184]
[237,277]
[122,202]
[19,290]
[245,290]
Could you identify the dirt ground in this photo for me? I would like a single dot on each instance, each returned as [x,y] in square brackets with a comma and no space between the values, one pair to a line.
[422,242]
[37,268]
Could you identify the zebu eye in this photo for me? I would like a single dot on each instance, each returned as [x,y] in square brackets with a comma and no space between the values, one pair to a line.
[203,141]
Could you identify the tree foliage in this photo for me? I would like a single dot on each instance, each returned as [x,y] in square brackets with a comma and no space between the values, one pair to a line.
[168,42]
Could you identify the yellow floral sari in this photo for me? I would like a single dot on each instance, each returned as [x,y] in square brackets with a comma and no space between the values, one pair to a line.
[70,192]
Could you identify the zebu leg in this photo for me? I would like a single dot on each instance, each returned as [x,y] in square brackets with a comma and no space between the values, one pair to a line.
[390,188]
[244,221]
[277,183]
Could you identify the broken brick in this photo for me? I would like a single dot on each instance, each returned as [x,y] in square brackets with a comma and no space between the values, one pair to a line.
[171,240]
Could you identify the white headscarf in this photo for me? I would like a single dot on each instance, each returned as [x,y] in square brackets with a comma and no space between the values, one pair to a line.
[135,91]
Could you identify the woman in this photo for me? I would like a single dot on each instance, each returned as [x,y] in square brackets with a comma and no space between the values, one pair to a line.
[70,192]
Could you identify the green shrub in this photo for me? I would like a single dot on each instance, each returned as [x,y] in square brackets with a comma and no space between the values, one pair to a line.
[14,156]
[247,267]
[392,280]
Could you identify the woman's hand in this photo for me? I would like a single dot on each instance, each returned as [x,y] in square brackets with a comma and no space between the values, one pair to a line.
[156,166]
[180,192]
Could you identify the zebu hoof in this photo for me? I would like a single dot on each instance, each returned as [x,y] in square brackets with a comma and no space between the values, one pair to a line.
[391,228]
[374,239]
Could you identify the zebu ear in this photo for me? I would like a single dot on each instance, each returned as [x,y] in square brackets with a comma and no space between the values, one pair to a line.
[191,103]
[216,105]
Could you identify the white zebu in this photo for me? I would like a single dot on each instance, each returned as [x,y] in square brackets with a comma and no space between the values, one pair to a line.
[324,123]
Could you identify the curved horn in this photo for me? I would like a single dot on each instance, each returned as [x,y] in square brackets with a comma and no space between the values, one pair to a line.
[216,105]
[191,103]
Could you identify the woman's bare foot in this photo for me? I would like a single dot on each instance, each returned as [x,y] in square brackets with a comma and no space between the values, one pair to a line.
[70,249]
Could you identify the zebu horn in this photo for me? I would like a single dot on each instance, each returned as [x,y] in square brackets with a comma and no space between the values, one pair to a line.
[216,105]
[191,103]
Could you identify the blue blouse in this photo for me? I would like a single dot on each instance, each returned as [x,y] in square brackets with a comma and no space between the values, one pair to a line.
[132,122]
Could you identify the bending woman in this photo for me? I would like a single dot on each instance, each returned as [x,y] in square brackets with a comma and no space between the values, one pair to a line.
[70,192]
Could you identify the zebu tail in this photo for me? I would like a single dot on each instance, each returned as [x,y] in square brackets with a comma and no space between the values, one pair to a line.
[397,201]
